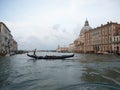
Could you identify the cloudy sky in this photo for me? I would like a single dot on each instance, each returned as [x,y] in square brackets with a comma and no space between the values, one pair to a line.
[45,24]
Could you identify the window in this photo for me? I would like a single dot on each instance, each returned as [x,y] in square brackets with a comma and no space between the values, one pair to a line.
[117,39]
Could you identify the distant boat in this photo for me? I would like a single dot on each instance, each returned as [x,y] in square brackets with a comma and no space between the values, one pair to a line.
[50,57]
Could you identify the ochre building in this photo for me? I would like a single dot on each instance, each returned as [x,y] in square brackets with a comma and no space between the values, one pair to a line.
[103,39]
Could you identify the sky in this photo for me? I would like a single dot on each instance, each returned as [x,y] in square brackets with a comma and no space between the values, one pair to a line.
[45,24]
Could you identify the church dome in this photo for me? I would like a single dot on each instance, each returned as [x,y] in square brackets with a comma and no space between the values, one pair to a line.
[85,28]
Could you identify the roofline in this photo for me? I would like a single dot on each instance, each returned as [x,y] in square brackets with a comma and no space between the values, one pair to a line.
[5,26]
[108,23]
[103,25]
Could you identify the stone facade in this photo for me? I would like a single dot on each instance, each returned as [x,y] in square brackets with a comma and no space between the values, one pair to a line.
[79,45]
[71,47]
[7,43]
[116,40]
[103,39]
[88,45]
[79,42]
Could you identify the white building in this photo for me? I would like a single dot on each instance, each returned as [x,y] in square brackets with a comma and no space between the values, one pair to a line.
[6,39]
[79,42]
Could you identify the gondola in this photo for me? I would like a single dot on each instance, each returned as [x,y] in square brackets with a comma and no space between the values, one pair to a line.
[50,57]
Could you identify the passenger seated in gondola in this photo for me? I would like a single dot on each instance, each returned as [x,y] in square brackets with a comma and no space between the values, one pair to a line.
[34,53]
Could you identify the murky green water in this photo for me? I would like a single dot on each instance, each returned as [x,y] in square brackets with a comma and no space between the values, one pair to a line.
[82,72]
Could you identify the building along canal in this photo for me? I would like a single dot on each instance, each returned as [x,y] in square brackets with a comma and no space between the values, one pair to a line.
[83,71]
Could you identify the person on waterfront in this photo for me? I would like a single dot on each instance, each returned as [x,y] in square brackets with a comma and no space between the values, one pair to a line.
[34,53]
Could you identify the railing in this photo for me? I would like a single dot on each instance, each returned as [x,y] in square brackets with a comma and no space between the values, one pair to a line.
[116,41]
[117,34]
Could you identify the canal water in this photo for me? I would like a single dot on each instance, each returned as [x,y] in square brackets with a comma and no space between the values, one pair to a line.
[81,72]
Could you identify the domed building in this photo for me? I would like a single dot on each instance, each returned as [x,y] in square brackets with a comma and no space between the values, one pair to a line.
[85,28]
[79,42]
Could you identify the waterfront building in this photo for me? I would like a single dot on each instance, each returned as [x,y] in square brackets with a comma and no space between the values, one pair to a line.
[71,47]
[88,44]
[7,43]
[62,49]
[13,46]
[116,40]
[103,39]
[79,45]
[79,42]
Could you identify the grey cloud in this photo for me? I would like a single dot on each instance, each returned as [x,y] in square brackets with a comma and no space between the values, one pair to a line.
[56,27]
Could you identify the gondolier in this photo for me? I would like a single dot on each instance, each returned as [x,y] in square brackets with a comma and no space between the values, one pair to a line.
[34,53]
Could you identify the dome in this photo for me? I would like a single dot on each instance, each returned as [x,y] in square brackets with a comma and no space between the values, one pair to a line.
[85,28]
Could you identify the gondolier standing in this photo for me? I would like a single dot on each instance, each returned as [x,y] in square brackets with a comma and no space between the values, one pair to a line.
[34,52]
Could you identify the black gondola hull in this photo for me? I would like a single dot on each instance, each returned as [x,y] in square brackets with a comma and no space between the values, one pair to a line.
[50,57]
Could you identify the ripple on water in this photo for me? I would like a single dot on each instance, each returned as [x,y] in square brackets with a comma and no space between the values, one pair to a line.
[93,86]
[24,83]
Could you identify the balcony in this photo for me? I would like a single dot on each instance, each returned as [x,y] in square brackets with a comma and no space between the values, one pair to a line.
[116,34]
[116,41]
